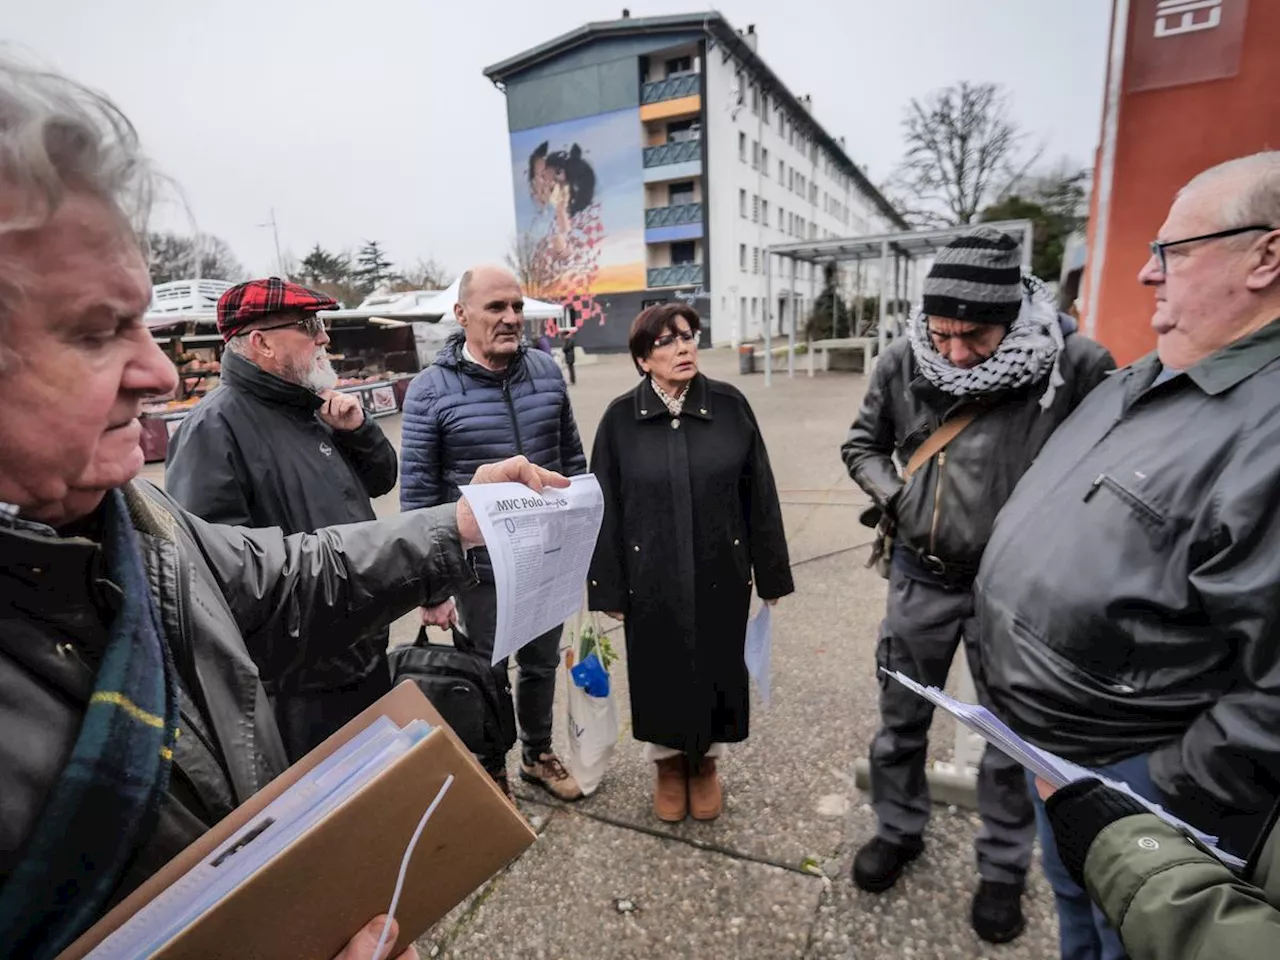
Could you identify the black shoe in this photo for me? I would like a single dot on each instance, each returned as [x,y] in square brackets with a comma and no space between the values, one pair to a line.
[880,863]
[500,778]
[997,911]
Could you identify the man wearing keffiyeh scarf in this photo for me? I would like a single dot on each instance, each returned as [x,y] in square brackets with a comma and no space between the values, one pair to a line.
[988,360]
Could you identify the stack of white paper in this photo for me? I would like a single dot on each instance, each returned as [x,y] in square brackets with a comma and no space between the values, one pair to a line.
[1045,765]
[540,545]
[293,813]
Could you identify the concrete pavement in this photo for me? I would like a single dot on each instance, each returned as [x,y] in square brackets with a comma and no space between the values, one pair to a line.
[770,879]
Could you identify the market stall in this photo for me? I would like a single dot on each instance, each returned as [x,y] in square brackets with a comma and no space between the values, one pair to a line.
[375,358]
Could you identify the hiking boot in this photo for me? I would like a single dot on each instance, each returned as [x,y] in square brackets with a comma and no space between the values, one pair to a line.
[705,796]
[671,789]
[549,774]
[997,911]
[880,863]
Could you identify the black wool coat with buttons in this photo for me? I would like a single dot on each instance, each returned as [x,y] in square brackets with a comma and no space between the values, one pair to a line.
[253,453]
[691,520]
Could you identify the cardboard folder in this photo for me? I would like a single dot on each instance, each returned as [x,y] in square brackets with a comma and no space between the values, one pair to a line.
[320,890]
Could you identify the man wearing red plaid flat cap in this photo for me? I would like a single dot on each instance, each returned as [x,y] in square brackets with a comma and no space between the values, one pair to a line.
[276,446]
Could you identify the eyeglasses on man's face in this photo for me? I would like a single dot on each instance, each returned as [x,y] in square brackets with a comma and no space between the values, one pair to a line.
[311,325]
[1158,247]
[667,339]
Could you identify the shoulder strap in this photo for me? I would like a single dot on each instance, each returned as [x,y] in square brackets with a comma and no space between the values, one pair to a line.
[937,441]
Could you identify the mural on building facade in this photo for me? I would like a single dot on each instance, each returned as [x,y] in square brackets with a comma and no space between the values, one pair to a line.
[580,210]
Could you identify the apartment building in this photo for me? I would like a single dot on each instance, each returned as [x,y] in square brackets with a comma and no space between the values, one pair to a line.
[658,158]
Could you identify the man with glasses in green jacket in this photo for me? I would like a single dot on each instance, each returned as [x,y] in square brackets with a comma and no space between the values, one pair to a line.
[1129,598]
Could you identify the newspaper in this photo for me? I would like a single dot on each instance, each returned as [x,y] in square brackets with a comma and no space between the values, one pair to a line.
[540,546]
[1049,767]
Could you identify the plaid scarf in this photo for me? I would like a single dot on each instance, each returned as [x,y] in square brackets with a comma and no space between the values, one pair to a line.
[103,807]
[1030,351]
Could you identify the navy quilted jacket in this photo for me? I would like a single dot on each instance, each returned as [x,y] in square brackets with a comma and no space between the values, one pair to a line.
[459,416]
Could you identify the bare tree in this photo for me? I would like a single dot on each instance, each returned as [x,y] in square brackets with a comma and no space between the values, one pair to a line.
[963,153]
[530,266]
[173,257]
[426,273]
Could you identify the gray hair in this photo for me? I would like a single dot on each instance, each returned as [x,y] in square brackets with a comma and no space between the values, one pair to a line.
[58,137]
[1252,185]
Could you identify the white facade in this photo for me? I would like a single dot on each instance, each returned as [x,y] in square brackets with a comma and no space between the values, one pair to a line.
[769,183]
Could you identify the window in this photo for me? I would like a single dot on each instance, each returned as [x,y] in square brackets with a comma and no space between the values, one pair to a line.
[680,193]
[782,171]
[813,233]
[755,155]
[742,257]
[782,122]
[679,65]
[764,212]
[742,308]
[754,311]
[764,106]
[739,87]
[755,259]
[681,130]
[813,194]
[791,178]
[781,214]
[742,147]
[764,160]
[755,99]
[742,204]
[755,208]
[683,252]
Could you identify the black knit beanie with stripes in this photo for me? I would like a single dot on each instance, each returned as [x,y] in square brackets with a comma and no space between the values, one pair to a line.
[977,277]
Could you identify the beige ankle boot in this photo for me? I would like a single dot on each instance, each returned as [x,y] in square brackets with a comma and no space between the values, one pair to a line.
[705,796]
[671,790]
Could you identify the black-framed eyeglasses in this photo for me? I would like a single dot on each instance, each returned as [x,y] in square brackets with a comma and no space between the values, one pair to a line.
[667,339]
[1158,247]
[311,326]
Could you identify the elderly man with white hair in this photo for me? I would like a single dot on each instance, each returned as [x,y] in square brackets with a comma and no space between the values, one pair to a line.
[1129,598]
[124,619]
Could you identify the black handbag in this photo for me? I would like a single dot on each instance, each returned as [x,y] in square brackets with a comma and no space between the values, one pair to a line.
[473,696]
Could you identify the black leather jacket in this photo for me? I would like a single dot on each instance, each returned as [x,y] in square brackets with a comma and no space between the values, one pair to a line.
[254,454]
[948,508]
[1129,599]
[237,606]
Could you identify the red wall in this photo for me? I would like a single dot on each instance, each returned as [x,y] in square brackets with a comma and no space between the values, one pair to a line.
[1165,137]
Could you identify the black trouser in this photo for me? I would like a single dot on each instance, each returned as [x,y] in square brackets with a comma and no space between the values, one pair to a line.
[306,719]
[536,678]
[924,625]
[573,377]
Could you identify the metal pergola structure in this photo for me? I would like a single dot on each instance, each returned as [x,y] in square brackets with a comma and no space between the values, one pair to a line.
[897,255]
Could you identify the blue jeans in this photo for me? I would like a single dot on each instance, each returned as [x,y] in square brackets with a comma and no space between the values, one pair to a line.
[1083,931]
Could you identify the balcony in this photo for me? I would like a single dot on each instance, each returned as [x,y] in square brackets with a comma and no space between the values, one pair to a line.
[677,151]
[673,88]
[678,275]
[673,216]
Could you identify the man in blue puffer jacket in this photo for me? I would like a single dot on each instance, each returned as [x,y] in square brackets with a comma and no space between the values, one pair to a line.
[486,398]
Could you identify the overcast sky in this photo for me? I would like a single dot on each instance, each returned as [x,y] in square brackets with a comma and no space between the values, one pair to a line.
[359,119]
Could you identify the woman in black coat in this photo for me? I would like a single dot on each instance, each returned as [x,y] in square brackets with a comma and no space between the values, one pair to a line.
[691,517]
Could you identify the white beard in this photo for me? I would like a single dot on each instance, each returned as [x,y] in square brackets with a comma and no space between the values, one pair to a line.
[321,376]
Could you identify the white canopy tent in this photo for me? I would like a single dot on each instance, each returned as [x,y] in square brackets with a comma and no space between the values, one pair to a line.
[533,309]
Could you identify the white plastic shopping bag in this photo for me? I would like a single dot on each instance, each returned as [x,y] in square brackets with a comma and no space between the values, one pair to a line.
[593,708]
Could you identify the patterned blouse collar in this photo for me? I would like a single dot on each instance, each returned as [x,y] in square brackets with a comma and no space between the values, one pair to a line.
[675,405]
